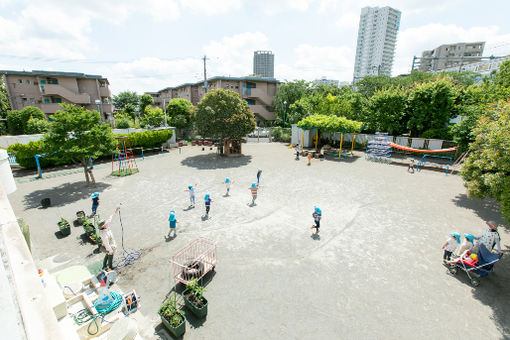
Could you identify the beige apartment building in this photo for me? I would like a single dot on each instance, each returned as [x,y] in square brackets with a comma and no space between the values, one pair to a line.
[48,89]
[258,93]
[457,54]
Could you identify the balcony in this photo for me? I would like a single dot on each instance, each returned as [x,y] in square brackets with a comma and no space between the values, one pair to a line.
[105,92]
[59,90]
[50,108]
[258,93]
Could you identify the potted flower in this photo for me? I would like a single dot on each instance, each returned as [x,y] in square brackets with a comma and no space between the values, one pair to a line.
[194,299]
[65,228]
[172,317]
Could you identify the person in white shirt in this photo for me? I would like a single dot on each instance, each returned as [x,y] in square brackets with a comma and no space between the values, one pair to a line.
[191,191]
[450,245]
[108,240]
[466,245]
[490,237]
[227,184]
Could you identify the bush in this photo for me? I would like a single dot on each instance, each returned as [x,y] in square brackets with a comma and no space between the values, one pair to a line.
[17,121]
[444,133]
[14,122]
[148,139]
[25,154]
[122,123]
[36,125]
[281,134]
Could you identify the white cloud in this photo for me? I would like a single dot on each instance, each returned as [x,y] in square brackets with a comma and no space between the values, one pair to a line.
[211,7]
[413,41]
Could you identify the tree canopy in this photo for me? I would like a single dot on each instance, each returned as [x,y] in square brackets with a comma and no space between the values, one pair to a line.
[223,114]
[124,98]
[486,170]
[17,121]
[179,113]
[153,117]
[146,101]
[330,123]
[77,134]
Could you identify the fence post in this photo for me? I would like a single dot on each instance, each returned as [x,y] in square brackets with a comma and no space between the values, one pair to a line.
[38,165]
[142,154]
[341,142]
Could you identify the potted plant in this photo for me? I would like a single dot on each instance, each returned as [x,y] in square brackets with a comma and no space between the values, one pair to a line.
[194,298]
[172,317]
[65,228]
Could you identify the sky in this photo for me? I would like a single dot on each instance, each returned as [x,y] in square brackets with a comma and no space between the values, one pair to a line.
[149,45]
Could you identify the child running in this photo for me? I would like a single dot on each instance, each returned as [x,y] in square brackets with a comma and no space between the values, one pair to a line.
[173,224]
[450,245]
[309,158]
[410,168]
[208,201]
[317,215]
[191,191]
[259,172]
[227,184]
[95,202]
[254,188]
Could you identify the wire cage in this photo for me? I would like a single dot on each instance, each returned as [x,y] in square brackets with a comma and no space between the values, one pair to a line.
[195,260]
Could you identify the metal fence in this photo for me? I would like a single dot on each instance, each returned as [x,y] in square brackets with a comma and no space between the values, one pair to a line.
[195,260]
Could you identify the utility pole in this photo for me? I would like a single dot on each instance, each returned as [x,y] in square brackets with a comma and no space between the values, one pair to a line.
[205,74]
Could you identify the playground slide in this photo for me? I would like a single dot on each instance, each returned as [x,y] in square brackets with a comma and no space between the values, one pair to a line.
[396,146]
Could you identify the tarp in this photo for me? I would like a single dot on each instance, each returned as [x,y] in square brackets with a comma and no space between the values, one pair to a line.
[396,146]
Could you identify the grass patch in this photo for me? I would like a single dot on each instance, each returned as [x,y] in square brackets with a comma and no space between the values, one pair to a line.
[124,172]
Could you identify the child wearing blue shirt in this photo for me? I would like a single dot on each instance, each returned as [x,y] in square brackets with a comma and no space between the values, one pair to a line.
[173,223]
[208,201]
[317,215]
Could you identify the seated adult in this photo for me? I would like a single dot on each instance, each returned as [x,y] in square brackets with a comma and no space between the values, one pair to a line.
[490,237]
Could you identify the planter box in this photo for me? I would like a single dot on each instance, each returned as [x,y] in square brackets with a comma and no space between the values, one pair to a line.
[199,312]
[65,231]
[175,331]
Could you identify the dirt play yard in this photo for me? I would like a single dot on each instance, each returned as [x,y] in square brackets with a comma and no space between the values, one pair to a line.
[375,272]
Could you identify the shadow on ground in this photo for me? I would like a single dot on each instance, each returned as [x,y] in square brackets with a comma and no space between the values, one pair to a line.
[213,161]
[486,209]
[63,194]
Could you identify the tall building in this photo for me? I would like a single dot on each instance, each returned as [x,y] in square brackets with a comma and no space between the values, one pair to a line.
[377,39]
[258,92]
[263,64]
[458,54]
[47,89]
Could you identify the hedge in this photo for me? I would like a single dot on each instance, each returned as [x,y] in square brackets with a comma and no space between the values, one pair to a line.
[330,123]
[25,153]
[280,134]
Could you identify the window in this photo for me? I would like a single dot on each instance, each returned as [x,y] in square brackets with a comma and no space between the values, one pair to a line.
[52,81]
[43,82]
[57,100]
[36,83]
[28,81]
[32,100]
[46,100]
[20,81]
[250,101]
[24,100]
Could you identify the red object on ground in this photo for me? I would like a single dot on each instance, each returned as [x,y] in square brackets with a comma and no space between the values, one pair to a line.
[406,148]
[199,142]
[180,144]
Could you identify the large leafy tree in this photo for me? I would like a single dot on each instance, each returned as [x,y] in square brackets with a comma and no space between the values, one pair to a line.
[153,117]
[124,98]
[179,113]
[223,114]
[486,171]
[77,134]
[289,93]
[371,84]
[146,101]
[431,105]
[17,121]
[386,111]
[5,105]
[130,110]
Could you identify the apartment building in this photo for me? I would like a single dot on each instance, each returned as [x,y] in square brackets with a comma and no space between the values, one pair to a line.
[377,40]
[263,63]
[451,55]
[47,89]
[258,93]
[325,81]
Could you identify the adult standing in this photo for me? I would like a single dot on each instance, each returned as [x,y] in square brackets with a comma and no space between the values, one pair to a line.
[490,237]
[108,240]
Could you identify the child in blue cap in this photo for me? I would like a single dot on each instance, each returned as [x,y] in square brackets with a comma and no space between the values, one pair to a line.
[317,215]
[191,191]
[254,188]
[466,245]
[208,201]
[450,245]
[95,202]
[173,223]
[227,184]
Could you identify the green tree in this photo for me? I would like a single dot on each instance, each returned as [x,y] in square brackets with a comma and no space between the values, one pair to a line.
[153,117]
[223,114]
[130,110]
[146,101]
[124,98]
[78,134]
[502,78]
[179,113]
[31,112]
[14,122]
[17,120]
[289,93]
[386,111]
[486,170]
[431,105]
[122,121]
[368,85]
[35,125]
[5,105]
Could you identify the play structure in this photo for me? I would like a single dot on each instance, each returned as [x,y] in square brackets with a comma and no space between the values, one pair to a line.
[406,148]
[425,161]
[123,161]
[195,260]
[379,149]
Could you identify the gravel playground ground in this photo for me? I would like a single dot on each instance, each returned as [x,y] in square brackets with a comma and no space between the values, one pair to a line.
[374,273]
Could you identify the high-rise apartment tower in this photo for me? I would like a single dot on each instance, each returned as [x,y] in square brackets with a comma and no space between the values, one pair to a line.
[377,39]
[263,64]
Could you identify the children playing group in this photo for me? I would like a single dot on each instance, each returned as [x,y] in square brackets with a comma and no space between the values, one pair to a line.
[451,244]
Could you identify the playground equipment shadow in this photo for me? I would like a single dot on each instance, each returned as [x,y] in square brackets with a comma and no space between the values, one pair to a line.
[213,161]
[63,194]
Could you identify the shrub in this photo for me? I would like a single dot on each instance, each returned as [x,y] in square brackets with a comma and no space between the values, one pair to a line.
[36,125]
[148,139]
[25,154]
[17,121]
[444,133]
[14,122]
[281,134]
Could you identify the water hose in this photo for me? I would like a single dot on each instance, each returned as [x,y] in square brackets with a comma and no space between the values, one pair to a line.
[83,316]
[129,256]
